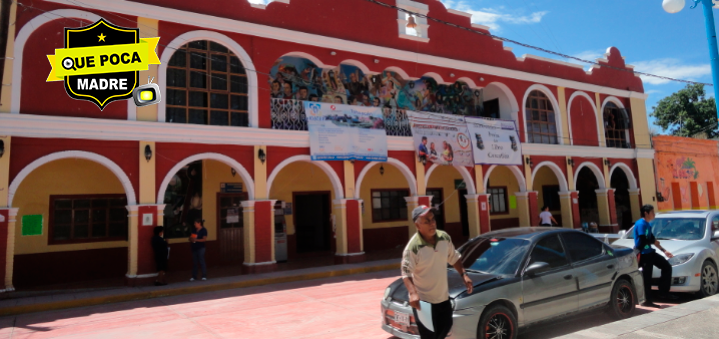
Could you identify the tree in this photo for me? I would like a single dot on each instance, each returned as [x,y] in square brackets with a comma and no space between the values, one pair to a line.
[687,112]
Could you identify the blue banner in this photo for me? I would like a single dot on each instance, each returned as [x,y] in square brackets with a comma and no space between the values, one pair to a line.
[344,132]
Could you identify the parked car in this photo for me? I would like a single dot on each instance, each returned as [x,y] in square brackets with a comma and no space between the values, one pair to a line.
[525,276]
[693,238]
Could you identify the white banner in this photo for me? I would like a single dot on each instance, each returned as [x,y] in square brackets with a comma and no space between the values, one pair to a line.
[495,142]
[441,138]
[344,132]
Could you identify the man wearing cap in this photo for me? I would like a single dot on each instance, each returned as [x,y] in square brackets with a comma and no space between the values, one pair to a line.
[424,271]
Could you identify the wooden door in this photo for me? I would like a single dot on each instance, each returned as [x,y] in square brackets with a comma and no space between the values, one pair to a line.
[230,222]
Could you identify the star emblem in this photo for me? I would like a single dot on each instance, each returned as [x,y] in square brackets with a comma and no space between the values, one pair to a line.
[102,37]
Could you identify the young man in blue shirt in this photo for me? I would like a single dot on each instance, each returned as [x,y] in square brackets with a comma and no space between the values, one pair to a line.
[648,258]
[197,240]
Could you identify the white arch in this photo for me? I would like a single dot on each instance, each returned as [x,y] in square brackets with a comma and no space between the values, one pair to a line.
[359,65]
[396,163]
[598,173]
[232,45]
[469,82]
[22,38]
[102,160]
[307,56]
[438,78]
[513,104]
[619,104]
[627,171]
[246,177]
[555,106]
[563,187]
[400,72]
[325,167]
[466,176]
[517,175]
[569,115]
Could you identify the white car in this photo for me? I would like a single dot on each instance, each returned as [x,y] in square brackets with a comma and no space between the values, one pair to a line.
[693,238]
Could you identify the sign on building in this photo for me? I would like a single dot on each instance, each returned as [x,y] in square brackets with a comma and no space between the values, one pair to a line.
[495,142]
[441,139]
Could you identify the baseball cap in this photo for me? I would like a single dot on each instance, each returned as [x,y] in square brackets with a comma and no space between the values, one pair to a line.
[420,211]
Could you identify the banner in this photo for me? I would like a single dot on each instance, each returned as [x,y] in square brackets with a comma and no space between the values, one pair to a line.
[496,142]
[441,139]
[344,132]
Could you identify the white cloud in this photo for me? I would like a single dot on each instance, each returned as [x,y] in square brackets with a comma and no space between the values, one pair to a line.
[492,17]
[672,68]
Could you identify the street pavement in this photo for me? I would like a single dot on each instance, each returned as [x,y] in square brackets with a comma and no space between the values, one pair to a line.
[338,307]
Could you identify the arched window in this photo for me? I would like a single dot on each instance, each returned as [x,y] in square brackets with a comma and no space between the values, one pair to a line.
[206,85]
[541,123]
[616,126]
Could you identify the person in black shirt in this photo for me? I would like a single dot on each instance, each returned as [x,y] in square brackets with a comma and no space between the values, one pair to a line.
[159,246]
[198,239]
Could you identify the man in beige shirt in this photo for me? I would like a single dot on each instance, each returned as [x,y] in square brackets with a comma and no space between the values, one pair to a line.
[424,271]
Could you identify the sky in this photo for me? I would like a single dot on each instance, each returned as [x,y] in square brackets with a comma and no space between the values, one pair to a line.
[654,41]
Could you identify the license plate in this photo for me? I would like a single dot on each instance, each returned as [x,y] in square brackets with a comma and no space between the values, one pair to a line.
[401,318]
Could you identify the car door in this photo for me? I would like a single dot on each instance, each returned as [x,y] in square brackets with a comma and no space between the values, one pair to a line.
[714,243]
[594,268]
[552,292]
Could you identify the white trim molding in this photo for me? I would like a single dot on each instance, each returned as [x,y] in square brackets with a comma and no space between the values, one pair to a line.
[232,45]
[463,171]
[325,167]
[557,172]
[102,160]
[555,107]
[521,182]
[408,174]
[586,151]
[628,172]
[598,173]
[569,115]
[246,177]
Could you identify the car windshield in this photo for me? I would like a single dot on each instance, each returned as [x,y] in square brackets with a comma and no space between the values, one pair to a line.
[494,255]
[675,229]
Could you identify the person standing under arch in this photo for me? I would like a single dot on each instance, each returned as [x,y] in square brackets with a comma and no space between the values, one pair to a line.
[546,218]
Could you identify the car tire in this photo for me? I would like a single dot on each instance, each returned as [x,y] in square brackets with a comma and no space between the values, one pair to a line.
[709,282]
[623,300]
[495,320]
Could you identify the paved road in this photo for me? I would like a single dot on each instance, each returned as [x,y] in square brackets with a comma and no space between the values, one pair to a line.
[343,307]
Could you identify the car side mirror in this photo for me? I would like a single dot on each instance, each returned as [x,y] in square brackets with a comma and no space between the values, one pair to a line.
[536,268]
[622,233]
[715,236]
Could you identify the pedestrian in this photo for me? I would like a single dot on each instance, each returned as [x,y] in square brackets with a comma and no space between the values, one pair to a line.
[424,271]
[648,257]
[198,239]
[546,218]
[161,249]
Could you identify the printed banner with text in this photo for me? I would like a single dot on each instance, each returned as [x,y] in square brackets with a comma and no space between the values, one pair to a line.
[496,142]
[441,138]
[344,132]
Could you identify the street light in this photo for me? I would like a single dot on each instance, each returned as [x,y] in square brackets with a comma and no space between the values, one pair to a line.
[674,6]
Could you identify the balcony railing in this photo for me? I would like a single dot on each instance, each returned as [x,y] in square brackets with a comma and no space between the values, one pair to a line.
[289,114]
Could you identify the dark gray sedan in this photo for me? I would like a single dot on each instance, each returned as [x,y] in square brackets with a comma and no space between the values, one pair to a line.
[526,276]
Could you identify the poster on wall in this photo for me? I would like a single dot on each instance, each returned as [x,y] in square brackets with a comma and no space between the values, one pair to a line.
[494,142]
[343,132]
[441,139]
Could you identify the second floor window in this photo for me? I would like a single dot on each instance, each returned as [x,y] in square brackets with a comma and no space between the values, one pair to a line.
[540,120]
[616,126]
[206,85]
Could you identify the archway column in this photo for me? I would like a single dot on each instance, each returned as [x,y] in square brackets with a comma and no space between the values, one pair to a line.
[7,247]
[259,235]
[607,211]
[569,201]
[412,203]
[634,201]
[528,210]
[348,230]
[478,214]
[141,220]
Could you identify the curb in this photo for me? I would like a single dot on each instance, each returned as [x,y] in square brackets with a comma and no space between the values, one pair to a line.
[160,293]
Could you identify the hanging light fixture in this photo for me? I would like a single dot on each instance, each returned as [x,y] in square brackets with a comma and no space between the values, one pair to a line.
[148,153]
[411,23]
[381,170]
[232,170]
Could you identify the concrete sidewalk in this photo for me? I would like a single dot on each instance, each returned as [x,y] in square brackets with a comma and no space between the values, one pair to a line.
[692,320]
[105,296]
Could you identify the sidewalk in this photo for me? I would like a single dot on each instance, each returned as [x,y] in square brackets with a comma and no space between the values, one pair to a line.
[692,320]
[106,296]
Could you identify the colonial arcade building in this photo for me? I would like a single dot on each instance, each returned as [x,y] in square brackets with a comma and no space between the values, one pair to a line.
[81,188]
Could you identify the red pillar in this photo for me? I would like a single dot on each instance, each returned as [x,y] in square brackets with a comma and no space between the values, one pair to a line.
[484,221]
[264,211]
[5,286]
[576,217]
[424,200]
[353,214]
[533,208]
[611,203]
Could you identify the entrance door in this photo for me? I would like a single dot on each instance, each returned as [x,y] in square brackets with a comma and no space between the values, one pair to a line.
[229,219]
[313,230]
[464,217]
[437,199]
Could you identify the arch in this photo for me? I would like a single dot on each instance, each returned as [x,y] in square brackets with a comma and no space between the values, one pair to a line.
[246,178]
[307,56]
[563,187]
[359,65]
[513,104]
[438,78]
[555,106]
[598,173]
[325,167]
[245,59]
[396,163]
[569,114]
[469,82]
[466,176]
[102,160]
[517,175]
[627,171]
[401,72]
[22,37]
[613,99]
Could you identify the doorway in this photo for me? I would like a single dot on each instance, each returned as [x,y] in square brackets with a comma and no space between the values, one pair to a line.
[230,221]
[437,200]
[464,217]
[622,202]
[588,205]
[312,216]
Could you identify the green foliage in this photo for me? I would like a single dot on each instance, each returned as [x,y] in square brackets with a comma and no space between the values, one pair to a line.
[687,112]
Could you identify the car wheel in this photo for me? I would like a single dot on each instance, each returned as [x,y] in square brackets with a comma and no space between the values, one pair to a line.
[497,322]
[623,300]
[710,281]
